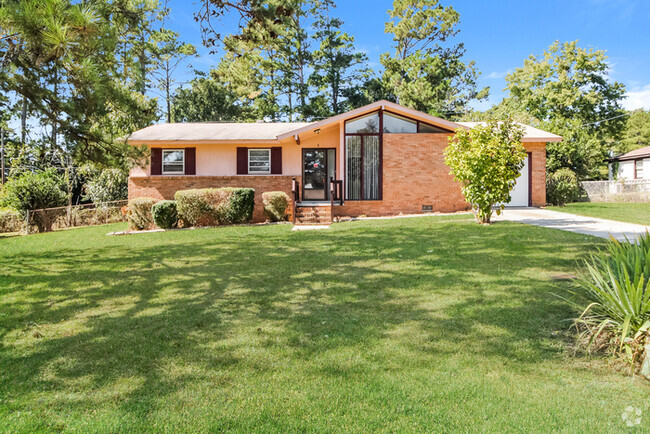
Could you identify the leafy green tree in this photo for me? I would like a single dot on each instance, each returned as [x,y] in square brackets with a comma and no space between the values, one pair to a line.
[110,185]
[426,71]
[336,64]
[34,191]
[254,17]
[62,61]
[567,91]
[169,53]
[278,68]
[486,161]
[637,132]
[209,100]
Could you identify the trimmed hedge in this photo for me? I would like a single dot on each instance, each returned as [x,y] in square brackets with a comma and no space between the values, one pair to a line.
[11,220]
[165,214]
[215,206]
[275,205]
[139,213]
[242,203]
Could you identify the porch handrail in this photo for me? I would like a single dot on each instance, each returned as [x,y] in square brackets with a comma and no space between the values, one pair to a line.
[295,189]
[336,191]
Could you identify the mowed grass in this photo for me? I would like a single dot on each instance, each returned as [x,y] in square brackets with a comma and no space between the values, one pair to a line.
[417,324]
[621,211]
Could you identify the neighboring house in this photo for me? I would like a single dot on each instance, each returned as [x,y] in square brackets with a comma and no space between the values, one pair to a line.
[384,159]
[634,164]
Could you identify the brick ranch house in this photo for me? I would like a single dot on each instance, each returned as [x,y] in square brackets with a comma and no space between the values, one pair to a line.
[377,160]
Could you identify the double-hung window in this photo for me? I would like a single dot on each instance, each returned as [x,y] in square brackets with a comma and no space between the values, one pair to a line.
[638,169]
[173,161]
[259,161]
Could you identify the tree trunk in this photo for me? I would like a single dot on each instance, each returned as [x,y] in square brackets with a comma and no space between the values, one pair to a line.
[56,111]
[23,122]
[167,86]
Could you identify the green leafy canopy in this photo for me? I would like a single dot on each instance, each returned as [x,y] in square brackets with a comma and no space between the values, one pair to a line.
[486,160]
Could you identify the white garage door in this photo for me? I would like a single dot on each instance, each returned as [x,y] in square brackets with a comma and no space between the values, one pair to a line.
[520,194]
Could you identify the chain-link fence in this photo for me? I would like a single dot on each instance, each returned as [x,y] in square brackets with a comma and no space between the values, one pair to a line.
[45,220]
[622,190]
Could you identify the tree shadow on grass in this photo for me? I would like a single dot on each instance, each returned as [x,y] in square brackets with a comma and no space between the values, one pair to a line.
[157,314]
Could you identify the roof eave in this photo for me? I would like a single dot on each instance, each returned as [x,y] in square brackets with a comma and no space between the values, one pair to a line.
[555,139]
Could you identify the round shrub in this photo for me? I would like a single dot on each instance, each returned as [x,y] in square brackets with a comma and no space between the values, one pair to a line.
[139,213]
[275,205]
[165,214]
[562,187]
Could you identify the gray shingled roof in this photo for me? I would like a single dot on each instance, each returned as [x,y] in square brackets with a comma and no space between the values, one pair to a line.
[633,155]
[215,131]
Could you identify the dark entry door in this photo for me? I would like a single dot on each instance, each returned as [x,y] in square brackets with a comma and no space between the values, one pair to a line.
[317,168]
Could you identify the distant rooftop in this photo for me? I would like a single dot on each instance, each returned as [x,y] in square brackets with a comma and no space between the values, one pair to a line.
[633,155]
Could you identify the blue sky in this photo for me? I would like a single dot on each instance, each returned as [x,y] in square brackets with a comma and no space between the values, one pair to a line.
[498,35]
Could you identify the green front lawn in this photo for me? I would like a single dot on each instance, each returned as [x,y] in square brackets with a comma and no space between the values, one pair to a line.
[622,211]
[388,325]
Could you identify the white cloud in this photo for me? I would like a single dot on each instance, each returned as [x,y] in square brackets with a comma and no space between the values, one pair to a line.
[498,75]
[637,99]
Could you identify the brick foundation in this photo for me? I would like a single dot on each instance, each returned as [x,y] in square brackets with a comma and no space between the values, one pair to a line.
[164,187]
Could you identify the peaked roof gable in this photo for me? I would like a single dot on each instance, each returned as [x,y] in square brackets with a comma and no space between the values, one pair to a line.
[383,104]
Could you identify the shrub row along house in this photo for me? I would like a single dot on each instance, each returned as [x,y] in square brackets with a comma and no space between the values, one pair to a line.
[381,159]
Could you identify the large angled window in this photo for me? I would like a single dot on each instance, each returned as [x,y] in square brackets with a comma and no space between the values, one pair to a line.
[363,158]
[399,124]
[396,124]
[368,124]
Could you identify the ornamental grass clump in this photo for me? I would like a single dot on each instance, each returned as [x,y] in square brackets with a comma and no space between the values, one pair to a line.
[615,290]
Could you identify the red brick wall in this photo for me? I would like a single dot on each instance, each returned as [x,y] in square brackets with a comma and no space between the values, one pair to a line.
[538,166]
[415,174]
[164,187]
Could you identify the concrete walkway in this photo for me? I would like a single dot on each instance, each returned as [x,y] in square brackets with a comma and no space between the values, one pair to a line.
[573,223]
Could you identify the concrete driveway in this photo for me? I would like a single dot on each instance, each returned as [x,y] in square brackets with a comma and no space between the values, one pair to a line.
[573,223]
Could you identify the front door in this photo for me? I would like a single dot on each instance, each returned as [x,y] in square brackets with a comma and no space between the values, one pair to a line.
[318,166]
